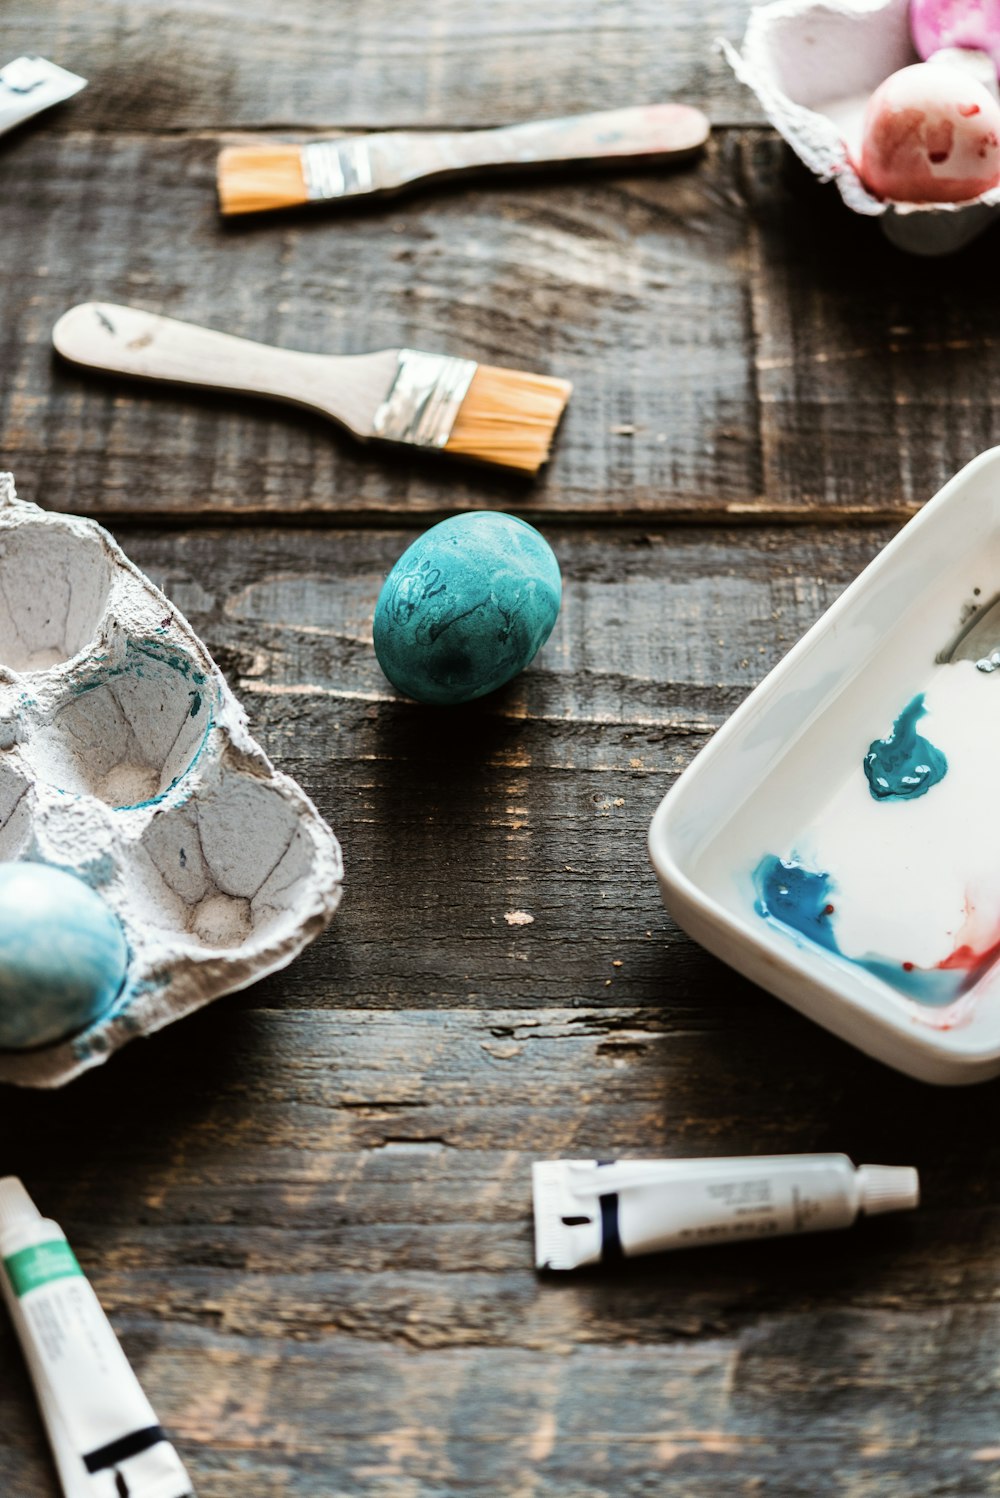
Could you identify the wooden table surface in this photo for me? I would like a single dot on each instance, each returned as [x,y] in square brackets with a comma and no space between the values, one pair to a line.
[307,1209]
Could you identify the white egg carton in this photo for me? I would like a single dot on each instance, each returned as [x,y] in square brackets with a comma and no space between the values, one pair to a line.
[814,64]
[126,759]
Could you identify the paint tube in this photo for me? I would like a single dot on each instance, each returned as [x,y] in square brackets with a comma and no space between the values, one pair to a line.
[30,84]
[104,1436]
[589,1212]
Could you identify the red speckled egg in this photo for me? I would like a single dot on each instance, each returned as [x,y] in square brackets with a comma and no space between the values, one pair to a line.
[931,135]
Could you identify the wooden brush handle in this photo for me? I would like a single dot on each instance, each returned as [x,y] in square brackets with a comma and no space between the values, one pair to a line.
[651,132]
[124,340]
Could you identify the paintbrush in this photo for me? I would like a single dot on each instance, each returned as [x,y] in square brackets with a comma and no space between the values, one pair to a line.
[254,179]
[471,410]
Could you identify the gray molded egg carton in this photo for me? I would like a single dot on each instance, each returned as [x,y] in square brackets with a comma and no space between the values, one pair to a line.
[126,759]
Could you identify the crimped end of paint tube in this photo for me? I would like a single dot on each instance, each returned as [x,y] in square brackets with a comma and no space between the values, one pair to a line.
[567,1227]
[16,1206]
[30,84]
[888,1188]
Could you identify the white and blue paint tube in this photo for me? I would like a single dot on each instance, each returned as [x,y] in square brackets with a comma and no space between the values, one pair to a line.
[105,1438]
[30,84]
[589,1212]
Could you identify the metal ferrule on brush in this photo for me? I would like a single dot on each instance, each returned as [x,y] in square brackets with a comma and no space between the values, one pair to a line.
[424,399]
[336,169]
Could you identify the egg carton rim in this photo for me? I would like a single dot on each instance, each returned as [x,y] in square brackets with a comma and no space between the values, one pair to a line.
[800,126]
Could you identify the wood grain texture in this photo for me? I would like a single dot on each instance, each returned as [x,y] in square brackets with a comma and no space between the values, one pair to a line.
[545,792]
[569,284]
[318,1254]
[307,1208]
[333,63]
[741,347]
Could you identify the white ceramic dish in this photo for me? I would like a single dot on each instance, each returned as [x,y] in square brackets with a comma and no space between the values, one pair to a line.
[785,777]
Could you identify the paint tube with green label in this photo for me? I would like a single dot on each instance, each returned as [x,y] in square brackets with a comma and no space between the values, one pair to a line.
[105,1438]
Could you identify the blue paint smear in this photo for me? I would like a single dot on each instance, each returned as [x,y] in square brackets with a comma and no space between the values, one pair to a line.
[800,902]
[175,660]
[182,775]
[151,650]
[904,765]
[795,897]
[98,871]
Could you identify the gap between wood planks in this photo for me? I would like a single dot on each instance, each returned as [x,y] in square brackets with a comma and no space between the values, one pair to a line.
[744,515]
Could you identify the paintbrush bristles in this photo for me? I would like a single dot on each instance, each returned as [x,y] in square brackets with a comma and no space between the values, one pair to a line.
[252,179]
[508,417]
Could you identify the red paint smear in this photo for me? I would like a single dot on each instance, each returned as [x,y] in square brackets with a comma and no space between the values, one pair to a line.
[966,959]
[940,137]
[963,959]
[968,110]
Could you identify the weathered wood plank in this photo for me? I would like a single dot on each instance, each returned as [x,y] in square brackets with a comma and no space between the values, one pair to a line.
[303,1262]
[742,348]
[538,799]
[734,1416]
[871,364]
[307,1208]
[390,1139]
[164,65]
[589,282]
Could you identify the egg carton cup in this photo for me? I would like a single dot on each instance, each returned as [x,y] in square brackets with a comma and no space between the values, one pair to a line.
[814,64]
[126,760]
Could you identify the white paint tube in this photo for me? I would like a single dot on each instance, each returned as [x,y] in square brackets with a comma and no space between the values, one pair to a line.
[30,84]
[106,1440]
[588,1212]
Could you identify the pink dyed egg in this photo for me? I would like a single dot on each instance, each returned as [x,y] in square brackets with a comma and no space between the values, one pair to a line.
[956,23]
[931,134]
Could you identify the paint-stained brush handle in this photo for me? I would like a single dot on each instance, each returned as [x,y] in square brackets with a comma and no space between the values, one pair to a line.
[253,179]
[656,132]
[129,341]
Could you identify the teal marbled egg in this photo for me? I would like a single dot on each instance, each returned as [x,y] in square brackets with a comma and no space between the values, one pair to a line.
[466,607]
[63,955]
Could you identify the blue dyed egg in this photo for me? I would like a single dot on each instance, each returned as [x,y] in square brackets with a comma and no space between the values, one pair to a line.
[466,607]
[63,955]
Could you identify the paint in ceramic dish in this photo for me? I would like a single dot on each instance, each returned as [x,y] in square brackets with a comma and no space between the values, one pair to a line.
[801,902]
[899,882]
[904,764]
